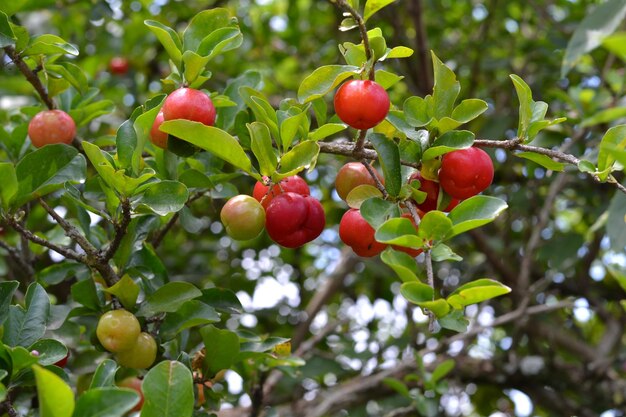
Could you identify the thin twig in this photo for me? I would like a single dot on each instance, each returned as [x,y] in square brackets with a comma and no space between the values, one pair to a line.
[156,241]
[120,230]
[430,276]
[30,75]
[343,4]
[70,231]
[374,176]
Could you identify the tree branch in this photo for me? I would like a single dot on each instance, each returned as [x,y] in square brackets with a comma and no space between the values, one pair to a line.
[70,231]
[120,230]
[30,75]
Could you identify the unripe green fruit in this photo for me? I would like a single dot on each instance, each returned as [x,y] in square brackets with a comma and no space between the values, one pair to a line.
[141,355]
[243,217]
[118,330]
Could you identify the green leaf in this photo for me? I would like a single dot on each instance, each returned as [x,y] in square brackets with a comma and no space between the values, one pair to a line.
[402,264]
[604,116]
[165,197]
[324,79]
[104,375]
[361,193]
[398,386]
[191,313]
[8,179]
[168,298]
[434,226]
[49,45]
[586,166]
[24,326]
[168,391]
[445,90]
[615,44]
[7,37]
[543,160]
[222,299]
[202,25]
[326,130]
[377,211]
[448,142]
[263,346]
[372,6]
[399,231]
[441,252]
[84,292]
[443,369]
[303,155]
[21,359]
[46,170]
[475,212]
[616,222]
[416,292]
[50,351]
[71,73]
[222,347]
[211,139]
[56,398]
[389,157]
[438,307]
[476,292]
[106,402]
[194,65]
[416,111]
[169,39]
[387,79]
[221,40]
[469,109]
[126,142]
[262,148]
[592,30]
[7,289]
[399,52]
[526,103]
[126,291]
[454,321]
[289,128]
[262,109]
[614,139]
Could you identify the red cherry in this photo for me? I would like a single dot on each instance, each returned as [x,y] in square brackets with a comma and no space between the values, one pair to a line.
[293,184]
[189,104]
[51,126]
[118,65]
[294,219]
[156,136]
[466,172]
[357,233]
[351,175]
[362,104]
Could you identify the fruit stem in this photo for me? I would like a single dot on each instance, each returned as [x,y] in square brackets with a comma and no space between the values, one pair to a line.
[31,76]
[343,4]
[372,173]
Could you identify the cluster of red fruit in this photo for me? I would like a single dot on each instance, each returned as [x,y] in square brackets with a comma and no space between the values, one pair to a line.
[286,209]
[119,332]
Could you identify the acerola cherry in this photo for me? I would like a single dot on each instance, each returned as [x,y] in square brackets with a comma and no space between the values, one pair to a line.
[189,104]
[156,136]
[294,219]
[134,383]
[357,233]
[466,172]
[51,126]
[61,363]
[351,175]
[243,217]
[293,184]
[118,65]
[431,188]
[362,104]
[118,330]
[141,355]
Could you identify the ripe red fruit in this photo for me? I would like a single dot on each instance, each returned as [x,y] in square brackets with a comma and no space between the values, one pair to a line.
[118,65]
[51,126]
[293,184]
[243,217]
[410,251]
[431,188]
[351,175]
[134,383]
[61,363]
[362,104]
[466,172]
[156,136]
[357,233]
[189,104]
[294,219]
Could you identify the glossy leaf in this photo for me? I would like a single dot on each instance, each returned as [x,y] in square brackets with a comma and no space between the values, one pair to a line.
[614,139]
[455,321]
[191,313]
[165,197]
[168,391]
[169,39]
[402,264]
[7,289]
[104,375]
[324,79]
[448,142]
[372,6]
[326,130]
[445,90]
[126,291]
[441,252]
[7,37]
[222,347]
[438,307]
[56,398]
[8,179]
[476,292]
[222,299]
[106,402]
[202,25]
[543,160]
[416,292]
[435,225]
[389,157]
[416,111]
[361,193]
[262,148]
[25,325]
[168,298]
[50,351]
[475,212]
[377,211]
[289,128]
[303,155]
[399,231]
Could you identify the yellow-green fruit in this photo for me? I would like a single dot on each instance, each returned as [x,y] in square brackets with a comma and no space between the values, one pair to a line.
[243,217]
[118,330]
[141,355]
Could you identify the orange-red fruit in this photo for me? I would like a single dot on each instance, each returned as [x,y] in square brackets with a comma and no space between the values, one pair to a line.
[431,188]
[351,175]
[466,172]
[294,219]
[293,184]
[134,383]
[189,104]
[357,233]
[362,104]
[118,65]
[156,136]
[410,251]
[51,126]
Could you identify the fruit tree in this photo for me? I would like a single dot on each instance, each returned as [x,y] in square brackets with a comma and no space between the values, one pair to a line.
[312,208]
